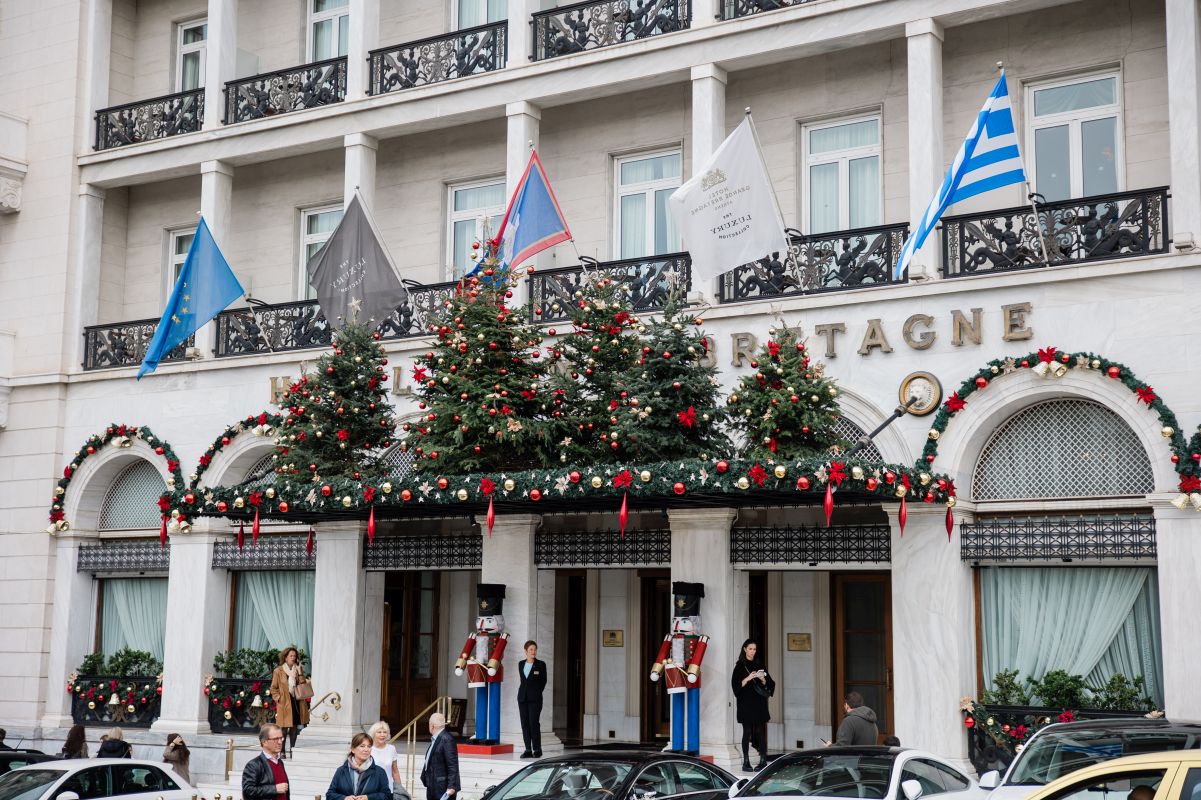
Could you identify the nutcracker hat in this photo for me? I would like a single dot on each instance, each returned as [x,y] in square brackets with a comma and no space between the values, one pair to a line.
[687,601]
[490,598]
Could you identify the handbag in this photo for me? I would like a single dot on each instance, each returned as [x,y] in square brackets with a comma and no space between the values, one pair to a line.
[304,691]
[401,793]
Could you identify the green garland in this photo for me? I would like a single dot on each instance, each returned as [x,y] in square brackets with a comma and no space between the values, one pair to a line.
[263,424]
[129,693]
[233,695]
[119,435]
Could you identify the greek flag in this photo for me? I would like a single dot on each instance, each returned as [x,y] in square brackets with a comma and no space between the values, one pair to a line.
[988,159]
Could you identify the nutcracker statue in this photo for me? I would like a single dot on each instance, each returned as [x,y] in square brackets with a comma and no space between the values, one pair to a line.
[679,664]
[482,658]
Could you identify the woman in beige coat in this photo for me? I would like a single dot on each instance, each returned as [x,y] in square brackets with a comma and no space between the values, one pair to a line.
[291,713]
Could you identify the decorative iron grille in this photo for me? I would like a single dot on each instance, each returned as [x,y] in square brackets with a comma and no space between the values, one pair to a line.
[650,280]
[273,551]
[124,344]
[864,544]
[399,462]
[826,262]
[470,51]
[425,551]
[264,469]
[147,120]
[1087,229]
[306,86]
[132,500]
[600,23]
[1062,448]
[129,555]
[412,317]
[603,548]
[732,9]
[1096,537]
[852,433]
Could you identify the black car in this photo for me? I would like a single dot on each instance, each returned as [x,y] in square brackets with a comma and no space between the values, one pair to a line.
[11,759]
[615,775]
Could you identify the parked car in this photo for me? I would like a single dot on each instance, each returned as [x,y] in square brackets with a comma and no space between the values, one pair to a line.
[868,773]
[82,779]
[15,759]
[1062,748]
[613,775]
[1174,775]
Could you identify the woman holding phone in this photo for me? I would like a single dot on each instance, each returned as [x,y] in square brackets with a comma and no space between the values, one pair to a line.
[752,686]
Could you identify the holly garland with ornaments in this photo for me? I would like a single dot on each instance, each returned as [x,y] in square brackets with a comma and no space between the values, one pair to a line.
[263,424]
[1009,733]
[231,696]
[129,695]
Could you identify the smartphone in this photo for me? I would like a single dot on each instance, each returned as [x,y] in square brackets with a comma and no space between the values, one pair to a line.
[824,741]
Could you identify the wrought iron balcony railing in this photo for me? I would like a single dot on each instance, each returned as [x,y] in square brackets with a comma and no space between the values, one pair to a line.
[650,280]
[600,23]
[732,9]
[826,262]
[1095,228]
[146,120]
[470,51]
[124,344]
[307,86]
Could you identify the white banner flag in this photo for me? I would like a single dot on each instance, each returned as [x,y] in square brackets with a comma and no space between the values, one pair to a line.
[727,213]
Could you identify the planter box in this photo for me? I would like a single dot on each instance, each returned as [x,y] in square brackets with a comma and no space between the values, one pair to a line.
[231,707]
[137,700]
[987,754]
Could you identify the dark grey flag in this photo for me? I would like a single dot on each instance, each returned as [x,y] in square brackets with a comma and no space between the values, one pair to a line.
[353,275]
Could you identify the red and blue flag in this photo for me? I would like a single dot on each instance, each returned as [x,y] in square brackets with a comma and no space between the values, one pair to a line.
[533,221]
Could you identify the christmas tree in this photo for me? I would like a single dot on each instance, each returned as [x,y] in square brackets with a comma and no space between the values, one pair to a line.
[338,420]
[480,389]
[787,408]
[666,407]
[599,350]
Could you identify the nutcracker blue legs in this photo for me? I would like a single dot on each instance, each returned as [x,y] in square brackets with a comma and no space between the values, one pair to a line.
[694,721]
[494,712]
[487,713]
[686,721]
[677,721]
[481,713]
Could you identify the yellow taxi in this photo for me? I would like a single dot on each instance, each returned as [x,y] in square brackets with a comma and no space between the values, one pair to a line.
[1150,776]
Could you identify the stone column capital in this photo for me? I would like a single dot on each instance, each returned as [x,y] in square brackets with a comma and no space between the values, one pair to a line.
[714,71]
[927,26]
[702,517]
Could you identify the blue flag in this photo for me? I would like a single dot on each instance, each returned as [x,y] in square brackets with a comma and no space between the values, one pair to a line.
[533,221]
[205,288]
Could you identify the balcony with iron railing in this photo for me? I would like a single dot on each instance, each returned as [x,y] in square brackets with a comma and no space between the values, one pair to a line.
[649,279]
[733,9]
[320,83]
[470,51]
[124,344]
[599,23]
[147,120]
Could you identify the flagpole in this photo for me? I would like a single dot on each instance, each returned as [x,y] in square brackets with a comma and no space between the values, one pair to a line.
[1030,193]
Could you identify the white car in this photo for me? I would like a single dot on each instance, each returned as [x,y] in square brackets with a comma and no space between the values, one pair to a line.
[88,779]
[866,773]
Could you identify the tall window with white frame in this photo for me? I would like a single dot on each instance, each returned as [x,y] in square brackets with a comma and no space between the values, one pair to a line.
[841,174]
[1075,134]
[316,225]
[179,241]
[469,206]
[329,28]
[470,13]
[191,48]
[644,182]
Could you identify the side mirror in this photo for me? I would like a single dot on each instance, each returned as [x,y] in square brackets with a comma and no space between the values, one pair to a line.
[737,787]
[990,780]
[68,795]
[911,789]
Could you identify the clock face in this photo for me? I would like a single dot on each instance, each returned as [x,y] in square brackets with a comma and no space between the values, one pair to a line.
[925,389]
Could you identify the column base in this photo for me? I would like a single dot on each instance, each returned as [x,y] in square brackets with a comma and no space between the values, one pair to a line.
[54,722]
[184,727]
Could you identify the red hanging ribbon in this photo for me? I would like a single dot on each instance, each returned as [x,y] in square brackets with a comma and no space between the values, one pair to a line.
[241,535]
[950,523]
[371,526]
[623,516]
[904,515]
[254,529]
[308,544]
[491,516]
[828,505]
[162,534]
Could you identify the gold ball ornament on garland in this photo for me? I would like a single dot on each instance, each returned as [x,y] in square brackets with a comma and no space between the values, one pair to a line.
[780,471]
[347,502]
[509,484]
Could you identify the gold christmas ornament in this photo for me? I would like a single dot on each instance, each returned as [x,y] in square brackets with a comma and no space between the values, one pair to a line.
[386,487]
[951,501]
[743,483]
[510,484]
[239,502]
[645,476]
[1166,431]
[857,473]
[933,435]
[461,494]
[175,513]
[780,471]
[901,492]
[270,493]
[347,502]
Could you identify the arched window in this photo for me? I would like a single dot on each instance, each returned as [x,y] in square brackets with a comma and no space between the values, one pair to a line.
[264,467]
[399,462]
[852,433]
[1062,448]
[132,500]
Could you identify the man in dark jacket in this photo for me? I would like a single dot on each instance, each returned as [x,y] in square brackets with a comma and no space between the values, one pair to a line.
[531,672]
[440,771]
[264,777]
[859,724]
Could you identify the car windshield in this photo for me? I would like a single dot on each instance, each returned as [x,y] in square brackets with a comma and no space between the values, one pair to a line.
[27,784]
[1054,754]
[834,775]
[578,780]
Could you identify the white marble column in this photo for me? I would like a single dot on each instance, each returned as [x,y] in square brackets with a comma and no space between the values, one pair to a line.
[362,37]
[933,631]
[1184,119]
[545,626]
[99,33]
[1178,546]
[216,206]
[926,169]
[360,169]
[700,553]
[221,58]
[705,13]
[72,630]
[520,33]
[708,132]
[522,133]
[197,618]
[85,284]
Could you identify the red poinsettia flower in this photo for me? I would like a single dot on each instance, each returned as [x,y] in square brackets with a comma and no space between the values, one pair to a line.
[527,394]
[950,488]
[164,503]
[67,472]
[621,317]
[172,465]
[955,403]
[613,405]
[372,382]
[343,435]
[487,486]
[256,687]
[255,499]
[1067,716]
[837,472]
[687,417]
[419,374]
[623,479]
[758,474]
[1046,355]
[205,460]
[55,516]
[506,410]
[262,420]
[1145,393]
[301,436]
[1019,732]
[368,494]
[771,444]
[1190,483]
[773,348]
[906,482]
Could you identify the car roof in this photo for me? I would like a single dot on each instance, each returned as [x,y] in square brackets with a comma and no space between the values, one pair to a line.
[634,756]
[80,763]
[843,750]
[1117,724]
[1185,757]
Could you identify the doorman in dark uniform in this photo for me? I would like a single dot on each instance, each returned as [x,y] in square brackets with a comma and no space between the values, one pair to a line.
[531,672]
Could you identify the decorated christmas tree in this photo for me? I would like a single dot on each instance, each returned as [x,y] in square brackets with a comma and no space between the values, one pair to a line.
[591,361]
[787,408]
[666,407]
[337,420]
[480,389]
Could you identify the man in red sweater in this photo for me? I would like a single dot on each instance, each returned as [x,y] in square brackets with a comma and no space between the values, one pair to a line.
[264,777]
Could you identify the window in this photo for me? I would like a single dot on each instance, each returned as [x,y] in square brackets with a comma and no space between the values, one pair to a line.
[841,174]
[274,609]
[1075,135]
[178,244]
[133,613]
[926,774]
[132,501]
[470,205]
[191,47]
[329,23]
[1113,786]
[954,781]
[140,779]
[88,783]
[693,778]
[654,780]
[644,226]
[316,225]
[479,12]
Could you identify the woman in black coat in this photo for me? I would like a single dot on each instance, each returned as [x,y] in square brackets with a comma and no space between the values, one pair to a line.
[359,777]
[752,686]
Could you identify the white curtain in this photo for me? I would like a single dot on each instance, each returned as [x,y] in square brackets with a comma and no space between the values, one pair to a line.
[1087,621]
[274,609]
[133,614]
[633,226]
[823,197]
[863,177]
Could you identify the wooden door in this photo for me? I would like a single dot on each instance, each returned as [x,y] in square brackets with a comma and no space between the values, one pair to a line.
[411,648]
[576,586]
[863,644]
[655,618]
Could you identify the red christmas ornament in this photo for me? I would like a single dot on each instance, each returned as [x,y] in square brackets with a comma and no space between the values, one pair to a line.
[308,544]
[189,498]
[162,534]
[491,514]
[371,526]
[158,451]
[222,506]
[802,483]
[574,476]
[535,494]
[442,482]
[254,529]
[903,516]
[981,382]
[224,441]
[890,477]
[828,503]
[723,467]
[623,515]
[872,483]
[970,722]
[406,495]
[1113,372]
[950,523]
[678,487]
[241,535]
[326,490]
[283,506]
[930,458]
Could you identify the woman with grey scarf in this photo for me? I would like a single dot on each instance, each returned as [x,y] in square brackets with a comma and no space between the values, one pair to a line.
[360,778]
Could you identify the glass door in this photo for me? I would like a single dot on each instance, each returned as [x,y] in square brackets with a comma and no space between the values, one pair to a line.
[656,616]
[863,645]
[410,652]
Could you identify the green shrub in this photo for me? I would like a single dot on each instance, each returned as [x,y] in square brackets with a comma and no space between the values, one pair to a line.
[1007,690]
[1122,694]
[127,661]
[248,663]
[1058,689]
[92,665]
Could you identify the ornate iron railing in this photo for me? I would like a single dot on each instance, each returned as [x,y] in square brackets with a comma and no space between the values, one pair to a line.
[306,86]
[1100,537]
[650,280]
[1087,229]
[600,23]
[128,555]
[147,120]
[868,544]
[603,548]
[470,51]
[417,551]
[732,9]
[272,551]
[825,262]
[231,704]
[108,700]
[123,344]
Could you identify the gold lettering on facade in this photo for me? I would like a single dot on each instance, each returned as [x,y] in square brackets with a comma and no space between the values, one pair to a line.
[960,326]
[874,337]
[830,331]
[1013,322]
[743,347]
[923,340]
[279,385]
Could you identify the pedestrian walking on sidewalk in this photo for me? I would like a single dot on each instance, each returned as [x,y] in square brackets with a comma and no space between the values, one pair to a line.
[291,691]
[359,778]
[264,777]
[76,745]
[383,752]
[859,724]
[176,754]
[752,686]
[114,745]
[440,772]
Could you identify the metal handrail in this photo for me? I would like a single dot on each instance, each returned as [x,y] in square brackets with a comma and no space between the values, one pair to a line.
[441,705]
[335,700]
[230,747]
